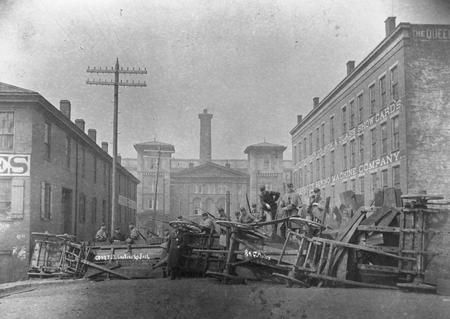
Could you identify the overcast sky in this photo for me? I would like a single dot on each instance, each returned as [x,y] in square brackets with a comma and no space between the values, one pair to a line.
[254,64]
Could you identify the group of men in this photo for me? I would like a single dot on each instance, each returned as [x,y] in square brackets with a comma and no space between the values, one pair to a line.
[103,236]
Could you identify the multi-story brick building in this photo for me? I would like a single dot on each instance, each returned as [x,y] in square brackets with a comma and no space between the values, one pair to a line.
[386,124]
[53,178]
[187,187]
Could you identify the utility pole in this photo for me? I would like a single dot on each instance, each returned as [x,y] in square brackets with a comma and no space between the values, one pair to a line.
[116,83]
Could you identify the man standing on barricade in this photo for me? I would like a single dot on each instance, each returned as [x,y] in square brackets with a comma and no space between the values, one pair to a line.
[290,203]
[269,204]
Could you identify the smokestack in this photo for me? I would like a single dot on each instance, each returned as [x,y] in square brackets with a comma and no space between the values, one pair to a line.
[315,102]
[299,119]
[64,107]
[350,66]
[205,136]
[92,133]
[80,124]
[389,24]
[105,146]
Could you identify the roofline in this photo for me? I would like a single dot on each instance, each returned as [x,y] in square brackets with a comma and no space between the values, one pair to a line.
[35,97]
[402,26]
[277,147]
[229,169]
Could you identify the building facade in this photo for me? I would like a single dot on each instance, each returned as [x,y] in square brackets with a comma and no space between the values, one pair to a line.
[186,187]
[386,124]
[54,178]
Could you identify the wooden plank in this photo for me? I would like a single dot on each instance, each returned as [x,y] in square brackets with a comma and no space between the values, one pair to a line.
[91,264]
[380,229]
[291,280]
[102,271]
[376,217]
[387,220]
[390,269]
[351,282]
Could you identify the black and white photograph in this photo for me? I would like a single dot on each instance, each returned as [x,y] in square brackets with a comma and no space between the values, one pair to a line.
[224,159]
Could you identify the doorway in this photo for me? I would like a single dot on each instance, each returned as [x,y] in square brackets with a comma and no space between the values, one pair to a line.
[66,205]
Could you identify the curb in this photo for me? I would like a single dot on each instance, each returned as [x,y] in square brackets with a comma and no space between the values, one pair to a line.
[10,287]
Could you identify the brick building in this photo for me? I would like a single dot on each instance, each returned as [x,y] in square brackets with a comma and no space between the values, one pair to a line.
[53,177]
[187,187]
[386,124]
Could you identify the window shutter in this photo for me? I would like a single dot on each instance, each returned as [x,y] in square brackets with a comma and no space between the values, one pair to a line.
[17,198]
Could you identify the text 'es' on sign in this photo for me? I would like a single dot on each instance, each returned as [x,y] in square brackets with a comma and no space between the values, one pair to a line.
[14,165]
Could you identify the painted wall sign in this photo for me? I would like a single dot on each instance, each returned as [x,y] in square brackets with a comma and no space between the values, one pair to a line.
[431,33]
[124,201]
[362,169]
[344,138]
[14,165]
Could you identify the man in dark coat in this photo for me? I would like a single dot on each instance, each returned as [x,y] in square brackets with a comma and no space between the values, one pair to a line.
[174,250]
[269,203]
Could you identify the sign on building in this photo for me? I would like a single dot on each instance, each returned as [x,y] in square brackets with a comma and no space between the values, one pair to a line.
[14,165]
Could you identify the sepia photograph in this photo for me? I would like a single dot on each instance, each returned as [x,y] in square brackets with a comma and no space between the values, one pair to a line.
[224,159]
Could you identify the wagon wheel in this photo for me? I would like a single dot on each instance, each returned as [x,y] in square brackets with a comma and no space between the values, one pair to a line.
[186,226]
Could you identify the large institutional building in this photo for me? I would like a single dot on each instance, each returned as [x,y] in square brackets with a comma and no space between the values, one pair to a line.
[187,187]
[53,178]
[386,124]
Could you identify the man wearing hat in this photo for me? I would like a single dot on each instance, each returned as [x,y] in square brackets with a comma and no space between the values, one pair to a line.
[290,202]
[317,205]
[269,204]
[207,223]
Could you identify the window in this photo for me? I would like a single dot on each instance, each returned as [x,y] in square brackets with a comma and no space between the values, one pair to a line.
[317,139]
[47,134]
[394,84]
[94,210]
[82,208]
[361,185]
[373,107]
[68,151]
[299,149]
[360,101]
[374,182]
[352,154]
[344,119]
[361,149]
[104,217]
[396,177]
[344,150]
[83,162]
[374,143]
[345,186]
[323,166]
[5,196]
[332,162]
[266,163]
[317,169]
[353,185]
[294,154]
[322,133]
[6,131]
[352,114]
[311,173]
[95,169]
[104,174]
[384,139]
[384,178]
[46,197]
[310,144]
[305,176]
[395,134]
[305,153]
[332,129]
[383,91]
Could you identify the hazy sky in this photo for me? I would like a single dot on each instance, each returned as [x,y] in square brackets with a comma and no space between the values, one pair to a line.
[254,64]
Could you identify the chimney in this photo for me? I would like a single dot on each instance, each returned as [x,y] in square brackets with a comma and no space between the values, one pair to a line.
[191,165]
[80,124]
[105,146]
[350,66]
[227,165]
[92,133]
[119,159]
[299,119]
[64,107]
[315,102]
[389,23]
[205,136]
